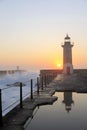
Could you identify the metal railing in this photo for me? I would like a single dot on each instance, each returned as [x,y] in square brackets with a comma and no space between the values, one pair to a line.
[33,85]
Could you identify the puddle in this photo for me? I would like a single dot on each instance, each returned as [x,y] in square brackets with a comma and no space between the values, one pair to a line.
[69,112]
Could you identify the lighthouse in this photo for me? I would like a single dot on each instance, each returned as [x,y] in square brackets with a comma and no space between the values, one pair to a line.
[67,55]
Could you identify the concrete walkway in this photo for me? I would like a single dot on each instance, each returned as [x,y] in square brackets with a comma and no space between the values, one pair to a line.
[16,119]
[76,82]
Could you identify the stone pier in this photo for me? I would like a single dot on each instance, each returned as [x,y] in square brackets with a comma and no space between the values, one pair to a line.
[16,119]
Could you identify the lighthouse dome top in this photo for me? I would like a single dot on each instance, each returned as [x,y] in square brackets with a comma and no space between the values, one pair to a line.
[67,37]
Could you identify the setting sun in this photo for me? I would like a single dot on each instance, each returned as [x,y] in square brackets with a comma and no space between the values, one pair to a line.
[58,65]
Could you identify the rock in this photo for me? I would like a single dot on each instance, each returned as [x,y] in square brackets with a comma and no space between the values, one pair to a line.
[16,84]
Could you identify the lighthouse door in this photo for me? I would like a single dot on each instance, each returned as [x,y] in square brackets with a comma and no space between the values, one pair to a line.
[68,70]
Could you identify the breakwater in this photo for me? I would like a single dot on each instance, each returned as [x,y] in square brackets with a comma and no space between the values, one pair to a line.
[43,95]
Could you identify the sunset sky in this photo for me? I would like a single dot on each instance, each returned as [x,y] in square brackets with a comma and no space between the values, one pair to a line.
[31,32]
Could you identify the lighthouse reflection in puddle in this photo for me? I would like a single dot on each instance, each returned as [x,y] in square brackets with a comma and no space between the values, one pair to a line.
[68,101]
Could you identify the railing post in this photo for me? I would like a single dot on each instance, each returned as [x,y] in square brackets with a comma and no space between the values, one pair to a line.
[1,122]
[42,82]
[31,89]
[37,85]
[21,103]
[45,80]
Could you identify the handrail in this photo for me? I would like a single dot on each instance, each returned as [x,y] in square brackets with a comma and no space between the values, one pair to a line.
[23,95]
[34,85]
[10,105]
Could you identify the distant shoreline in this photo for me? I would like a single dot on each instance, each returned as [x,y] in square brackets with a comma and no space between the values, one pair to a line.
[10,71]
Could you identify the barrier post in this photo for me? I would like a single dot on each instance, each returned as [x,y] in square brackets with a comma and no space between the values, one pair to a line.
[45,80]
[37,85]
[21,102]
[42,82]
[31,89]
[1,122]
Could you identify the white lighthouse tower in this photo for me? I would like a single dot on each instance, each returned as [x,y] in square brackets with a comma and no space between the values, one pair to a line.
[67,56]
